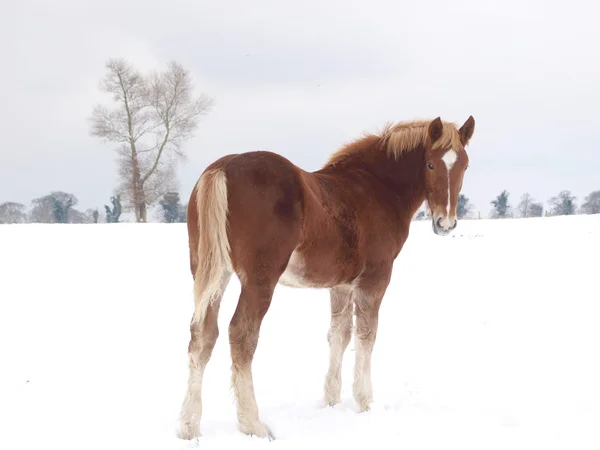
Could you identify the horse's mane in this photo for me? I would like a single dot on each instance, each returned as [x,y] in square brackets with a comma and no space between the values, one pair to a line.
[399,138]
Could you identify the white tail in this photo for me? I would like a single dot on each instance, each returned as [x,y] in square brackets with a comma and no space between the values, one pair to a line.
[214,261]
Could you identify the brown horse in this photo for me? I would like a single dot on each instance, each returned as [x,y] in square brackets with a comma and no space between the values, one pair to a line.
[341,228]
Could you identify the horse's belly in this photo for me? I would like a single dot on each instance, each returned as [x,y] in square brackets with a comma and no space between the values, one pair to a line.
[297,275]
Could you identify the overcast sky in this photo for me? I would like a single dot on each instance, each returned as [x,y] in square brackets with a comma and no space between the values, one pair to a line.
[303,77]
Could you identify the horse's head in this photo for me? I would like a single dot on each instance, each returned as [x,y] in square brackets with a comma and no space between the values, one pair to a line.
[445,164]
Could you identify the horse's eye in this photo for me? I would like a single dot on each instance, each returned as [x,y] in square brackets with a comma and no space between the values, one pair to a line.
[466,168]
[430,166]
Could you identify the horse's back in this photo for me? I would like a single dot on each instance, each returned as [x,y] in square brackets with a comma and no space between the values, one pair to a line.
[281,217]
[265,211]
[266,182]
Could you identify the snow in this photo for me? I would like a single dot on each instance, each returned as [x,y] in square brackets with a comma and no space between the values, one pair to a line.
[488,339]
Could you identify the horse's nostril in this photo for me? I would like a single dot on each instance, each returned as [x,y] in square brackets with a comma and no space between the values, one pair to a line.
[439,223]
[454,225]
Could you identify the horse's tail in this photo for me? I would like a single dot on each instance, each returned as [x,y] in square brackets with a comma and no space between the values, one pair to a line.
[214,260]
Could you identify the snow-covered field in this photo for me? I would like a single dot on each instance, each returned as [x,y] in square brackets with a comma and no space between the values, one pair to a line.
[488,339]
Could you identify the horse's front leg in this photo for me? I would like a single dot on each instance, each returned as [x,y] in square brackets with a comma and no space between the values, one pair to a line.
[367,299]
[338,337]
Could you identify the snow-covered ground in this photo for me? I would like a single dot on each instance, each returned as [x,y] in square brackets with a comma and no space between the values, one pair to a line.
[488,339]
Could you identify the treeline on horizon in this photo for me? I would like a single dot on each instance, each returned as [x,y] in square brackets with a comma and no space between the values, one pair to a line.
[60,207]
[563,204]
[149,119]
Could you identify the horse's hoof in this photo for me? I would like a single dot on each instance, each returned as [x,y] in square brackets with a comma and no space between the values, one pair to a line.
[259,430]
[187,432]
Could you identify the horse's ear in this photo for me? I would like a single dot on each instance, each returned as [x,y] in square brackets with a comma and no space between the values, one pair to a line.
[466,131]
[436,128]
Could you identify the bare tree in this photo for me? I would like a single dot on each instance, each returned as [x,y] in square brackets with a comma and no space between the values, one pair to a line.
[524,204]
[11,212]
[153,117]
[528,207]
[93,215]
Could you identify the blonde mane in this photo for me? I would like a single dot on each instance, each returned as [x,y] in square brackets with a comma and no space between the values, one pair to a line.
[407,136]
[400,138]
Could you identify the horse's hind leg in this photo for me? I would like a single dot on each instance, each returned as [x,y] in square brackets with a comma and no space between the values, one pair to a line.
[203,338]
[265,222]
[259,273]
[338,337]
[244,329]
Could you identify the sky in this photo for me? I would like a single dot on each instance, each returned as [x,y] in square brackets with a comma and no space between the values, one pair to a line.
[302,78]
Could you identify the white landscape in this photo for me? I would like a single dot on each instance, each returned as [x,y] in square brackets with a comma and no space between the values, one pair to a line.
[488,339]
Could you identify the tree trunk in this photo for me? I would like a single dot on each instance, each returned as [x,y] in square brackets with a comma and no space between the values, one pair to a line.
[142,212]
[139,203]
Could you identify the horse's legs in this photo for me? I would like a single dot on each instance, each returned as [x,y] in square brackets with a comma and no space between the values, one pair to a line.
[338,337]
[203,338]
[367,299]
[254,302]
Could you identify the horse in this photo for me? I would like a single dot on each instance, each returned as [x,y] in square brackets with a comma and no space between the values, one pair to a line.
[258,215]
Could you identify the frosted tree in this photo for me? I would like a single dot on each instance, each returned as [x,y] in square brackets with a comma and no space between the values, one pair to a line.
[463,207]
[591,204]
[172,208]
[501,206]
[12,212]
[535,209]
[55,207]
[152,117]
[563,204]
[76,216]
[113,214]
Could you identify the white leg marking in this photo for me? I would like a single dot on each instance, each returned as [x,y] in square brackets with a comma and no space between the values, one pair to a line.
[247,410]
[191,410]
[366,329]
[362,388]
[338,337]
[202,342]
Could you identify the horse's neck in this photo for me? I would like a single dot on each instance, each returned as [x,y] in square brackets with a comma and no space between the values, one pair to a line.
[404,178]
